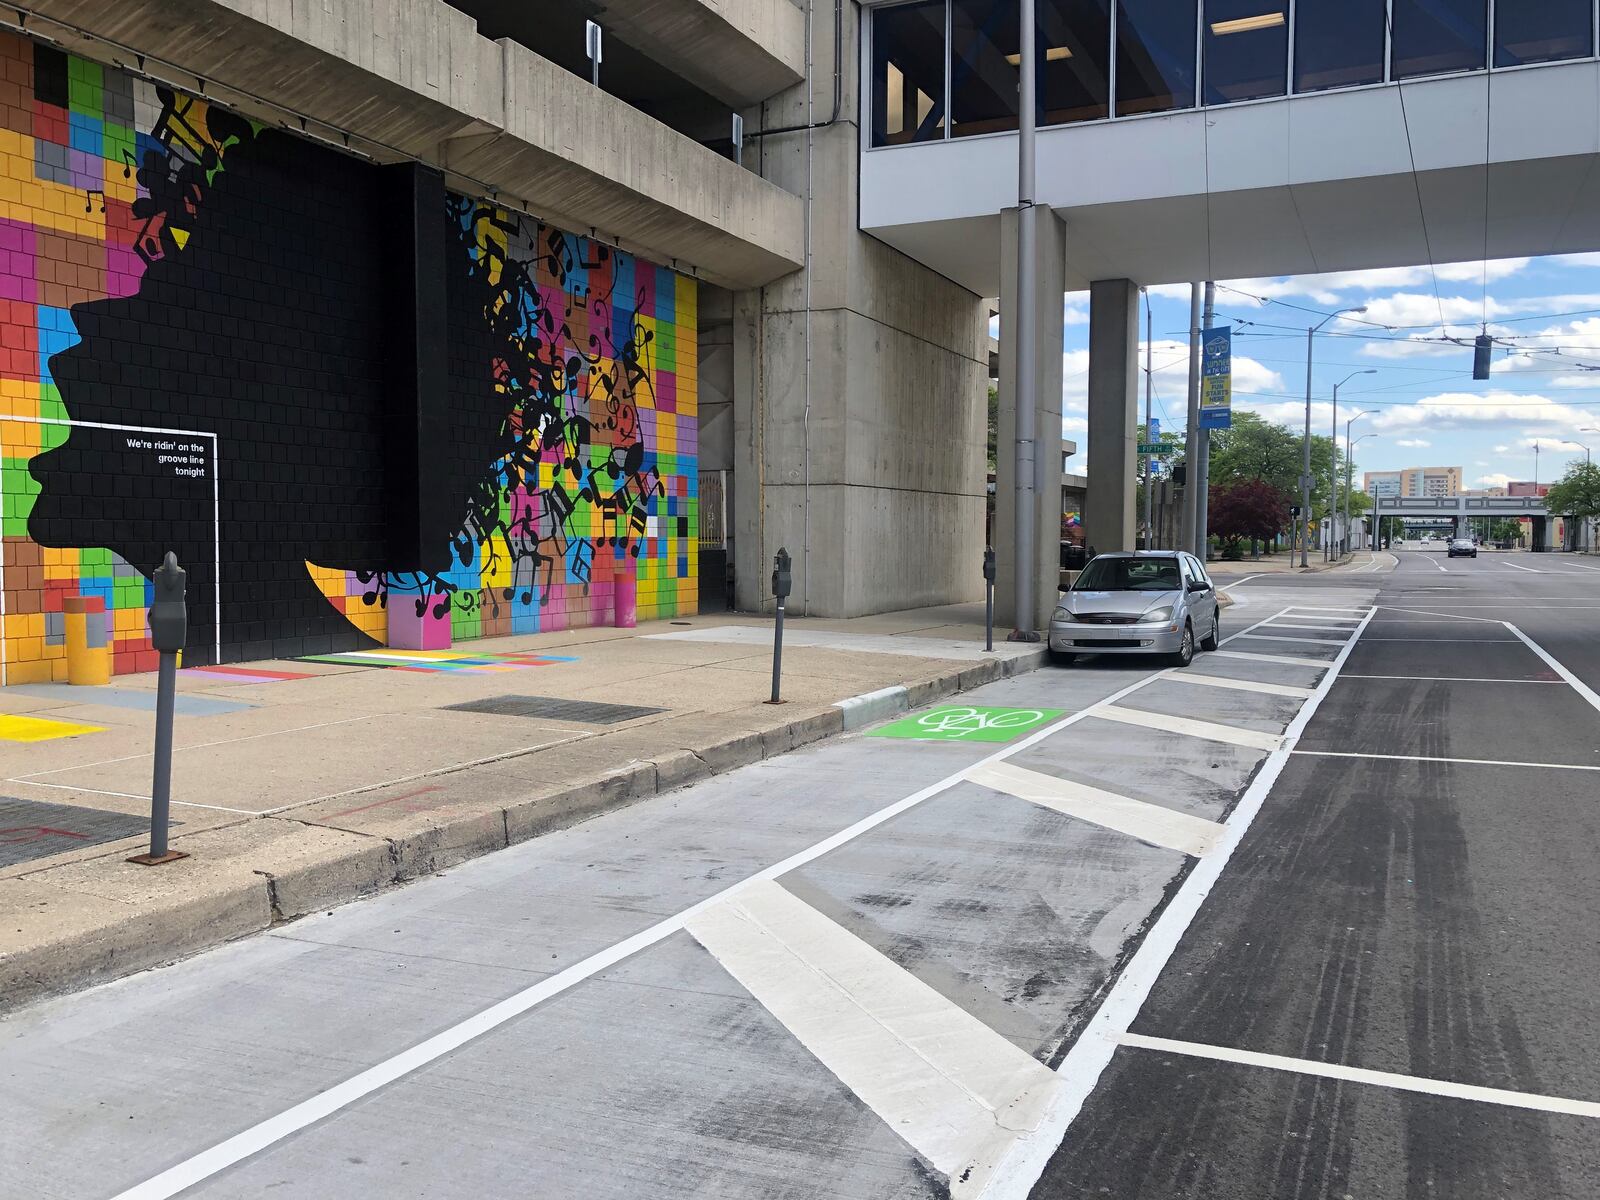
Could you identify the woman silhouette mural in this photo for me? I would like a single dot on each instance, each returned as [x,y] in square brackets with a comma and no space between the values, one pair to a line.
[262,318]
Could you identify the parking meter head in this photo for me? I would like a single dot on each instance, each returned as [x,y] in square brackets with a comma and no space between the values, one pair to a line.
[782,582]
[988,563]
[169,616]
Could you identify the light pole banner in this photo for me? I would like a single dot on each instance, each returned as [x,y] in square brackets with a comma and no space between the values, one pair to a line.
[1216,379]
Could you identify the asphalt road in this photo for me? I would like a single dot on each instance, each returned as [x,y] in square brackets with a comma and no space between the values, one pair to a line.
[1047,961]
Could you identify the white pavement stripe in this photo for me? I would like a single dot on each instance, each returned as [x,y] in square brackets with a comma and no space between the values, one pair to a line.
[1388,1079]
[1148,822]
[939,1077]
[1188,726]
[1328,608]
[1580,566]
[1578,685]
[1431,641]
[1450,679]
[1332,643]
[1237,685]
[1015,1177]
[273,1129]
[1472,762]
[1529,570]
[1326,628]
[1288,660]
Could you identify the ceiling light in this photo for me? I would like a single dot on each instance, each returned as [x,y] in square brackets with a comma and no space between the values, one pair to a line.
[1054,54]
[1245,24]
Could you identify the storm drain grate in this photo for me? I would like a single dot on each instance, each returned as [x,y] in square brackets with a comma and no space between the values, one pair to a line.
[583,712]
[31,829]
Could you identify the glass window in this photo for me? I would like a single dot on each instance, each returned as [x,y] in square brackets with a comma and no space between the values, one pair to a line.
[1338,43]
[1432,37]
[1155,55]
[908,73]
[1074,60]
[1247,49]
[1530,31]
[985,65]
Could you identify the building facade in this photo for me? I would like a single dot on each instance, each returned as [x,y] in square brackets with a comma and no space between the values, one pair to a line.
[1414,481]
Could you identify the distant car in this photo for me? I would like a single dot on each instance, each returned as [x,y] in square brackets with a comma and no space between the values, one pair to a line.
[1462,548]
[1147,602]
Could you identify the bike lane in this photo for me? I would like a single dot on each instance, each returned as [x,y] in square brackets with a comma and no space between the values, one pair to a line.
[854,966]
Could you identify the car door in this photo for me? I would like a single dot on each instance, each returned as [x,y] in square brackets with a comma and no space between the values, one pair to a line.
[1202,604]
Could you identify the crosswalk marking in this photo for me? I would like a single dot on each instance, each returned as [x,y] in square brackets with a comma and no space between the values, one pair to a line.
[1276,637]
[1238,685]
[1288,660]
[1330,628]
[1210,730]
[1151,823]
[953,1088]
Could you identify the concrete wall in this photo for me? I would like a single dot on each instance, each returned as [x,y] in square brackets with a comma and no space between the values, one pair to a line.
[893,445]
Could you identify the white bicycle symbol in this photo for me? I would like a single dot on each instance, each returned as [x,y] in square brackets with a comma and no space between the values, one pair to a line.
[959,722]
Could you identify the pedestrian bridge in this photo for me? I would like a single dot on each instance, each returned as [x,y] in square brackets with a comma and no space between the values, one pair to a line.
[1461,506]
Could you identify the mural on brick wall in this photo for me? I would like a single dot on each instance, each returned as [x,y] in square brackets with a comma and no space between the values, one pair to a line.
[193,356]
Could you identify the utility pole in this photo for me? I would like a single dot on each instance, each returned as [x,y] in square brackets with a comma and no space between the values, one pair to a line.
[1305,467]
[1027,332]
[1191,438]
[1202,465]
[1149,460]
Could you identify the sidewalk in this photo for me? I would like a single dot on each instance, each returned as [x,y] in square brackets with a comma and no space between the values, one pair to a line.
[299,785]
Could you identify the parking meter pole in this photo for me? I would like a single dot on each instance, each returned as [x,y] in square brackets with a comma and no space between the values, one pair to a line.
[782,583]
[169,628]
[988,600]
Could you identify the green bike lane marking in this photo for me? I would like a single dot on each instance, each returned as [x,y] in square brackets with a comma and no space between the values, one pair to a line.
[967,723]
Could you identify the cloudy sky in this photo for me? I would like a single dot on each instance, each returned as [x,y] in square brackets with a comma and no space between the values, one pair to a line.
[1428,409]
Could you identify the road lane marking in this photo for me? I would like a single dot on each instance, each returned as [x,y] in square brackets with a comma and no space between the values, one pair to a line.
[1468,641]
[1418,612]
[1430,562]
[1290,660]
[1450,679]
[1326,608]
[1579,566]
[938,1076]
[1237,685]
[1578,685]
[1324,628]
[1081,1067]
[1388,1079]
[1529,570]
[1473,762]
[1211,731]
[1151,823]
[1278,637]
[271,1130]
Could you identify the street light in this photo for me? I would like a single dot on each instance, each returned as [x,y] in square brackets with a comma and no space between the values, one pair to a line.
[1305,468]
[1349,460]
[1588,460]
[1333,466]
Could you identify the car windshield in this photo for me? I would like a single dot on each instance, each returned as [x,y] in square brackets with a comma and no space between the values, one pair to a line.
[1129,575]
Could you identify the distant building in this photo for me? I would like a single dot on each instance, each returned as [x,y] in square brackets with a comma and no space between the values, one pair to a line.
[1524,488]
[1414,481]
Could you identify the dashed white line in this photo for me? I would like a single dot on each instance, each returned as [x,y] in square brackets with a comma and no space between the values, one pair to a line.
[1388,1079]
[1529,570]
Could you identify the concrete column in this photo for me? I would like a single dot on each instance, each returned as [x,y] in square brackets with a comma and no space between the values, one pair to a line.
[1047,301]
[1109,512]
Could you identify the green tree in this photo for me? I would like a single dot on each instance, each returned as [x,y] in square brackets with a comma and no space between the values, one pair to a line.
[1577,493]
[994,423]
[1255,448]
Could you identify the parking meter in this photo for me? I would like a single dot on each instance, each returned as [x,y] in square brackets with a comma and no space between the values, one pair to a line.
[988,598]
[169,616]
[988,564]
[781,581]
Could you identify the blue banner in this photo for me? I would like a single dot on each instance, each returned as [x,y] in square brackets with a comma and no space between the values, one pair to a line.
[1216,378]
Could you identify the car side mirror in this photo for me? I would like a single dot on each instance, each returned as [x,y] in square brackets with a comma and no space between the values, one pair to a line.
[1196,585]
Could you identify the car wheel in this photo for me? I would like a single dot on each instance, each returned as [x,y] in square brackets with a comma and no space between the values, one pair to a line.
[1062,658]
[1185,654]
[1209,642]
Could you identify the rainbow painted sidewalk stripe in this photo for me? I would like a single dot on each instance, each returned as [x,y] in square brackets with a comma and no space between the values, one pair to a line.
[434,662]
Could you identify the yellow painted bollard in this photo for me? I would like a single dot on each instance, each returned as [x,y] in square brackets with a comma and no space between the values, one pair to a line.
[88,646]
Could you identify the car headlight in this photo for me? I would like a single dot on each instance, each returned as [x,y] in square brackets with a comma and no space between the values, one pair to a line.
[1157,615]
[1062,614]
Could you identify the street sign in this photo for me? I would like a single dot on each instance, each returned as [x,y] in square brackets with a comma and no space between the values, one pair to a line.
[1154,432]
[966,723]
[1155,448]
[1216,378]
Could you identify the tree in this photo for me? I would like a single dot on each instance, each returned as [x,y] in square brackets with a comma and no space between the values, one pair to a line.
[1254,448]
[994,424]
[1577,493]
[1246,508]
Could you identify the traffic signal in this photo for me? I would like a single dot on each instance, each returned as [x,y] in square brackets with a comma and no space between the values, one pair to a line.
[1481,350]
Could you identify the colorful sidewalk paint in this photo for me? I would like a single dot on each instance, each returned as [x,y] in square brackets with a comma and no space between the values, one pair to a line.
[436,662]
[246,674]
[38,729]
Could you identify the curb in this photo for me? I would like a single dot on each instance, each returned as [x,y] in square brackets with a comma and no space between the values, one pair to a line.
[249,895]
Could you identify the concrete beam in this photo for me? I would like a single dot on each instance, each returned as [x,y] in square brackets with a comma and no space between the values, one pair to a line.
[1046,369]
[1108,518]
[414,79]
[740,51]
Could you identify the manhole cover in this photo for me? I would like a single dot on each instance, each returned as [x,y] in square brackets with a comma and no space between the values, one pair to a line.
[31,829]
[585,712]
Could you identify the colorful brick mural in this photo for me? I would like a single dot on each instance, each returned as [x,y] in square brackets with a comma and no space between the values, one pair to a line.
[136,269]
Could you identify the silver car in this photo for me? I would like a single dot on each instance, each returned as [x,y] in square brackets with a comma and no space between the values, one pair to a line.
[1148,602]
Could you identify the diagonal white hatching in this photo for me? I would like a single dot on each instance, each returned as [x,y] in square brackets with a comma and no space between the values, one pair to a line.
[1210,730]
[1148,822]
[952,1087]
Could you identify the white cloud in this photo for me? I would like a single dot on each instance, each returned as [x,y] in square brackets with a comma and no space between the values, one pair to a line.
[1469,410]
[1171,360]
[1413,442]
[1493,480]
[1332,288]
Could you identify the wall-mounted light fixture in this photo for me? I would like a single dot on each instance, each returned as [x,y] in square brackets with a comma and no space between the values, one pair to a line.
[591,45]
[1246,24]
[1053,54]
